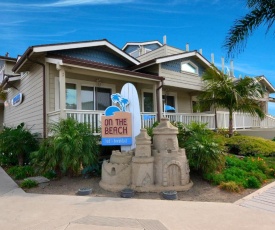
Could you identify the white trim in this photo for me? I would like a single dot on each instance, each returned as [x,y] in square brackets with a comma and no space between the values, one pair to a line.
[183,55]
[267,82]
[173,94]
[48,48]
[192,64]
[54,61]
[141,44]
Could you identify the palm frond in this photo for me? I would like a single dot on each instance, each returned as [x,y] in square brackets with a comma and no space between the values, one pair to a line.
[262,12]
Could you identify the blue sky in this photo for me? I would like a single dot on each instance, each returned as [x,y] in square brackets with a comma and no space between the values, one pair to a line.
[201,23]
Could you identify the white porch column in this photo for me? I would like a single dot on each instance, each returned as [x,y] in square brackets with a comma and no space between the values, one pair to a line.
[62,91]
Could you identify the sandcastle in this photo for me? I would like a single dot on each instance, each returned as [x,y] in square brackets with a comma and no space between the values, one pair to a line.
[148,168]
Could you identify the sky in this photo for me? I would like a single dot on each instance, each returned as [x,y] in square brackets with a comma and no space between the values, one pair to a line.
[201,23]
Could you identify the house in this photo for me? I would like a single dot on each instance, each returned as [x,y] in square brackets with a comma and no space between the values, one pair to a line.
[76,80]
[6,65]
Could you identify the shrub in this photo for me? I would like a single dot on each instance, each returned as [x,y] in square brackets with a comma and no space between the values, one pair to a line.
[250,146]
[204,151]
[247,172]
[71,146]
[21,172]
[28,184]
[150,129]
[16,144]
[253,182]
[231,186]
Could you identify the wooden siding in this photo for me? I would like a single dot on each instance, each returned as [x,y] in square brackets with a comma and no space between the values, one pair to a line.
[163,51]
[181,80]
[31,110]
[152,55]
[184,102]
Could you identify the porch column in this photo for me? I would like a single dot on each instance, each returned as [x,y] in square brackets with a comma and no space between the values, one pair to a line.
[62,91]
[159,100]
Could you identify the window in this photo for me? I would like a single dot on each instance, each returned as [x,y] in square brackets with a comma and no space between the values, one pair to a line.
[189,67]
[103,98]
[87,98]
[82,95]
[148,102]
[169,102]
[71,98]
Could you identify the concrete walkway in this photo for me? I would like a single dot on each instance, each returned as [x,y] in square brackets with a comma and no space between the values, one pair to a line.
[19,210]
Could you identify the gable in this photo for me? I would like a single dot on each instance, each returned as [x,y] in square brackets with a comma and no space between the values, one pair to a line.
[176,65]
[95,54]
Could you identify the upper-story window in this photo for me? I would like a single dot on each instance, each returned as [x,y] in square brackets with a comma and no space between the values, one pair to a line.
[189,67]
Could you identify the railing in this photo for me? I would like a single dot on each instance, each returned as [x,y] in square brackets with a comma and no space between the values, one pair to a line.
[187,118]
[240,120]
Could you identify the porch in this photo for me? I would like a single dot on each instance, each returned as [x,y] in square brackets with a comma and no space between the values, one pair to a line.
[240,120]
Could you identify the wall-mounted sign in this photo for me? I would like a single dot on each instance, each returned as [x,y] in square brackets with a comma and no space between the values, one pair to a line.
[17,100]
[116,128]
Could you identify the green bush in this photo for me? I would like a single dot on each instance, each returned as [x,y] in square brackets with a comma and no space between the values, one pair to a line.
[250,146]
[71,147]
[247,172]
[16,144]
[28,184]
[150,129]
[204,150]
[21,172]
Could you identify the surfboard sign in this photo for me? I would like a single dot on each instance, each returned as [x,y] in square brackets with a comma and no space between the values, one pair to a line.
[116,124]
[129,91]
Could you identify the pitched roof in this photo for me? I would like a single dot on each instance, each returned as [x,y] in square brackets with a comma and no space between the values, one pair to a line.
[141,43]
[8,58]
[268,85]
[35,51]
[172,58]
[104,67]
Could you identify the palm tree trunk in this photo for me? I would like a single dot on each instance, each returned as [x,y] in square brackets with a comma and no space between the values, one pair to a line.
[20,158]
[230,127]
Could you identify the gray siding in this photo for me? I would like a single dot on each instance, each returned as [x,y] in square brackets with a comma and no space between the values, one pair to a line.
[31,110]
[182,80]
[152,55]
[160,52]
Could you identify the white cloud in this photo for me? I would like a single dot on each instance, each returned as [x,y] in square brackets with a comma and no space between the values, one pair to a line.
[64,3]
[68,3]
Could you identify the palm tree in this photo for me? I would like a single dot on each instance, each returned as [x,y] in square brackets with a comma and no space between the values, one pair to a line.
[235,95]
[261,12]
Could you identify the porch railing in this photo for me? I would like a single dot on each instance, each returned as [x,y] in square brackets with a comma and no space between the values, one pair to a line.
[240,120]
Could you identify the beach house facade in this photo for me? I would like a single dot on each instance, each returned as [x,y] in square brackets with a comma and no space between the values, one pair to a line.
[76,80]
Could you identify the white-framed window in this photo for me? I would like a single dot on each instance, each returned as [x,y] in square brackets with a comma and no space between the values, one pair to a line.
[148,101]
[190,67]
[169,101]
[85,95]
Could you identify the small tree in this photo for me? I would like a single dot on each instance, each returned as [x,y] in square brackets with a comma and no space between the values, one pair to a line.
[235,95]
[18,142]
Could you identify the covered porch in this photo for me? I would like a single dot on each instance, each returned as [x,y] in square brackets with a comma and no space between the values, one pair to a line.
[241,121]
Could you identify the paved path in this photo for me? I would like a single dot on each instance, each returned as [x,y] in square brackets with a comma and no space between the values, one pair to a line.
[19,210]
[262,199]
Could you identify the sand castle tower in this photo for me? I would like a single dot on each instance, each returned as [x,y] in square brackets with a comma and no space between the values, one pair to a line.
[171,165]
